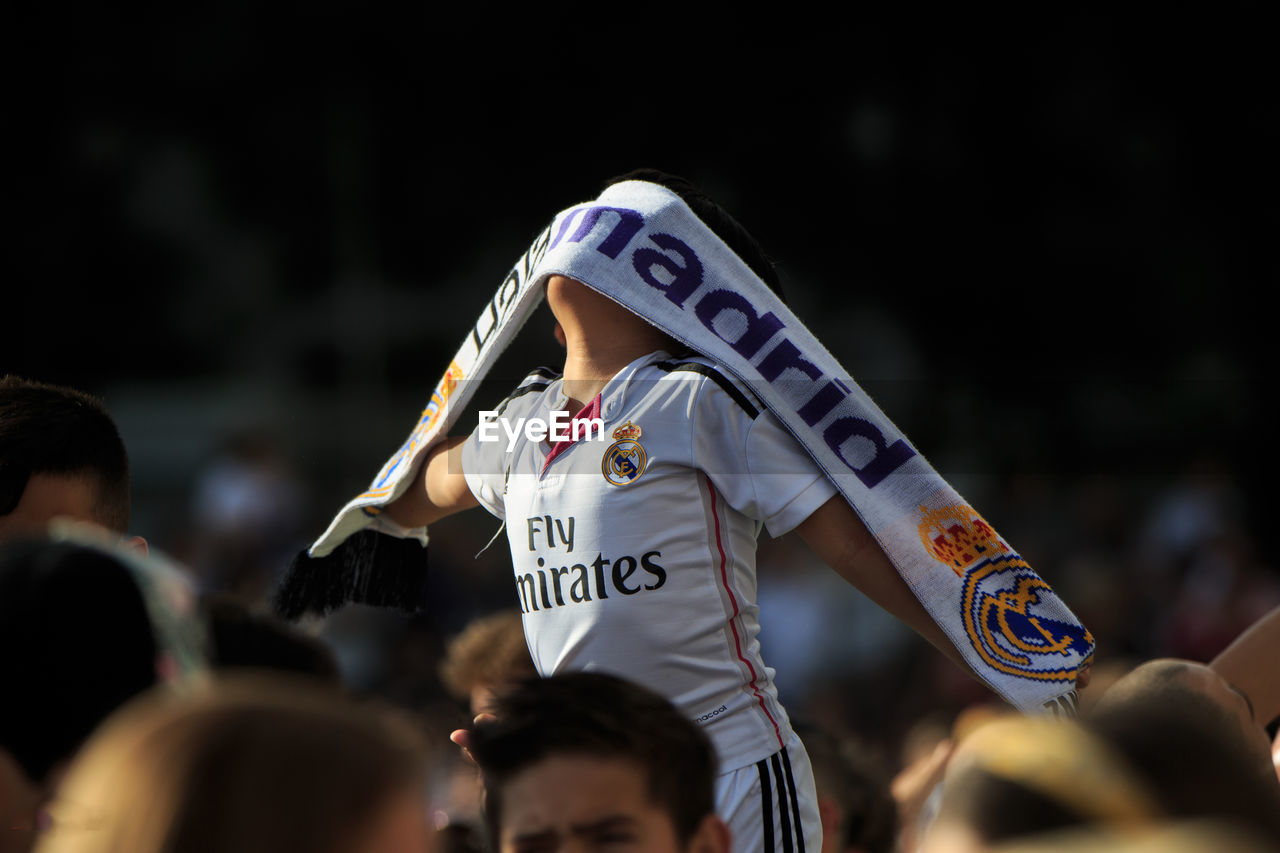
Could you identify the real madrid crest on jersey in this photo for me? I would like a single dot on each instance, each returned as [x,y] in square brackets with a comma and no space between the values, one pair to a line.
[1014,621]
[625,460]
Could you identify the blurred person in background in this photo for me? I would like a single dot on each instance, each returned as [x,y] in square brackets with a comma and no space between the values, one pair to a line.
[245,766]
[1016,778]
[1193,739]
[926,754]
[242,639]
[84,627]
[247,507]
[1199,732]
[1167,837]
[1250,666]
[854,801]
[61,456]
[588,761]
[487,658]
[1191,736]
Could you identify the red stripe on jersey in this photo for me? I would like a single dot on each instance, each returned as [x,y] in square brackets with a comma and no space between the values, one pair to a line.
[589,411]
[724,578]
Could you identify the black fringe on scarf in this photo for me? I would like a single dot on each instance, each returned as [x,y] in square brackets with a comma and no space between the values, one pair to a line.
[367,568]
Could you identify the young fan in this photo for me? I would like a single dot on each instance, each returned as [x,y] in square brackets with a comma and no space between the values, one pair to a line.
[715,413]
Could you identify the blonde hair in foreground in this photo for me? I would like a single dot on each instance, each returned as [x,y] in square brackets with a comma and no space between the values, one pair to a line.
[242,765]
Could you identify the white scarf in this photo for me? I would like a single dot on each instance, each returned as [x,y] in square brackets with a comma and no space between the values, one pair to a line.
[642,246]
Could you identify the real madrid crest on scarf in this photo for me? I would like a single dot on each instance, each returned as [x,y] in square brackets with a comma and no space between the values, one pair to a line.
[1005,604]
[625,460]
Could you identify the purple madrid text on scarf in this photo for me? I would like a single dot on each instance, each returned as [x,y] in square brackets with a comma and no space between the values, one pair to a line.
[684,270]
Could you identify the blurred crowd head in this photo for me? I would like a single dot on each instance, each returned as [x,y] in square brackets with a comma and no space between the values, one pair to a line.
[246,765]
[60,456]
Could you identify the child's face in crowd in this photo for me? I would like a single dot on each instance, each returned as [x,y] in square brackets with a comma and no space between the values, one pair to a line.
[584,804]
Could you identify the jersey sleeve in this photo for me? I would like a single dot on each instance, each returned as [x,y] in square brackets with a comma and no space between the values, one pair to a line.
[486,462]
[754,462]
[483,466]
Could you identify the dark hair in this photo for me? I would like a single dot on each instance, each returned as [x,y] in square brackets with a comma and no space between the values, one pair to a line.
[242,639]
[1022,776]
[845,773]
[597,715]
[490,651]
[1189,749]
[717,219]
[1001,810]
[48,429]
[75,643]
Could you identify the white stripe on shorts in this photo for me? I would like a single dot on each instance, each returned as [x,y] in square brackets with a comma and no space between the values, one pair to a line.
[772,805]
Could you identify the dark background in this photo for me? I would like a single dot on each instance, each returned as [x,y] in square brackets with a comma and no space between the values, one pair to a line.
[1044,243]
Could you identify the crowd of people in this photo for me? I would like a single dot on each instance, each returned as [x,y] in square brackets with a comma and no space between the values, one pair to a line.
[134,721]
[139,718]
[146,712]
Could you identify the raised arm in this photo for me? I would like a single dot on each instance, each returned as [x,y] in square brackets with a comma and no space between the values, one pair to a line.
[838,536]
[1252,664]
[440,488]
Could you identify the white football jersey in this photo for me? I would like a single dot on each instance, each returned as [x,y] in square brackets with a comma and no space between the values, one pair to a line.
[634,552]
